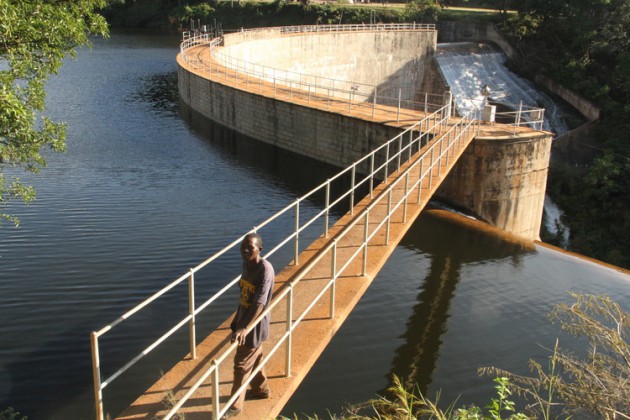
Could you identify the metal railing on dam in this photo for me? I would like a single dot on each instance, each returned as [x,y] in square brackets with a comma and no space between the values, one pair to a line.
[416,157]
[289,84]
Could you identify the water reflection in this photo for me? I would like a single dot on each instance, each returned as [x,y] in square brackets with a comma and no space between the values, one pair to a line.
[160,91]
[414,361]
[296,173]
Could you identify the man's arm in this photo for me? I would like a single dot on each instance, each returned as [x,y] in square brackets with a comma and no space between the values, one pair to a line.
[239,335]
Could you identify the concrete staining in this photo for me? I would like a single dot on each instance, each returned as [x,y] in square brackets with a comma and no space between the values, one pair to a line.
[509,173]
[501,178]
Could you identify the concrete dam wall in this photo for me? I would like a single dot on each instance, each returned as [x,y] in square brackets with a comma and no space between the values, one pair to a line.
[501,178]
[389,60]
[311,130]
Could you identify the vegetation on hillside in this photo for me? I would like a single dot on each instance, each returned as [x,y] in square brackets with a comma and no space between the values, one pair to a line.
[585,46]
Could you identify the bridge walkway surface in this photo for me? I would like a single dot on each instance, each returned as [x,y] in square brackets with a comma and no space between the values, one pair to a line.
[318,327]
[335,271]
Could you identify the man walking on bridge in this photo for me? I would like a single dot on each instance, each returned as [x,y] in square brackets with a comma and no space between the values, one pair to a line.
[256,288]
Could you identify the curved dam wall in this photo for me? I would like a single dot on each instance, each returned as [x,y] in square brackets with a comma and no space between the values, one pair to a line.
[326,136]
[500,178]
[311,131]
[389,60]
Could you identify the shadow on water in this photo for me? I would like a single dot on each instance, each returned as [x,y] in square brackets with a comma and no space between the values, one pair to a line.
[415,360]
[297,173]
[160,91]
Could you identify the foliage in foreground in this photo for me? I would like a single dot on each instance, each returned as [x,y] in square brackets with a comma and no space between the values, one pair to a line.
[596,385]
[35,37]
[11,414]
[407,404]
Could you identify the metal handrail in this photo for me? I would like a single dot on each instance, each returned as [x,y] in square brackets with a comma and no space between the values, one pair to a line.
[453,137]
[287,84]
[437,119]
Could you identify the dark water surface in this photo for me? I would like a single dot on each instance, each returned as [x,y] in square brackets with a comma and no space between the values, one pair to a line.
[141,195]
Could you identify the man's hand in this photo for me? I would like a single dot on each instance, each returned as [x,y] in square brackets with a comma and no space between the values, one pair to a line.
[239,337]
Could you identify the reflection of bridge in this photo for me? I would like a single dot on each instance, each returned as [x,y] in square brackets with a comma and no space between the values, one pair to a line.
[327,265]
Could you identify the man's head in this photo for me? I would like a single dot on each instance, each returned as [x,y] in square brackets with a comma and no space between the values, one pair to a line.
[251,247]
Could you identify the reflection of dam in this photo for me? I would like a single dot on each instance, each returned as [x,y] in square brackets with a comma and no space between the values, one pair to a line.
[416,359]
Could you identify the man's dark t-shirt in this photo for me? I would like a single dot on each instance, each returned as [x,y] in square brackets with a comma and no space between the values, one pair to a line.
[256,288]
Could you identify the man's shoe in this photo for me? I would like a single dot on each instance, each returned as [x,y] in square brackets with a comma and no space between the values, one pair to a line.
[231,412]
[257,395]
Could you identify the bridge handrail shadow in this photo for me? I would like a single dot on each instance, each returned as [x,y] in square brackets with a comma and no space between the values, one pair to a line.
[377,165]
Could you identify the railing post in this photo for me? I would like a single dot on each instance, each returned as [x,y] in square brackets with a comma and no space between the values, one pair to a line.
[297,231]
[406,198]
[420,179]
[398,112]
[431,169]
[352,181]
[191,311]
[386,162]
[216,408]
[389,216]
[365,242]
[399,151]
[333,262]
[372,175]
[439,163]
[96,377]
[448,145]
[327,214]
[289,329]
[333,276]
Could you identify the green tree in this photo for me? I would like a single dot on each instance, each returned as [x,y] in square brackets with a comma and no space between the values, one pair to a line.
[35,37]
[421,11]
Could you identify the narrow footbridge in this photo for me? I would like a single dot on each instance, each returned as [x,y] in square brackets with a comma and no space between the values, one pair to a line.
[329,266]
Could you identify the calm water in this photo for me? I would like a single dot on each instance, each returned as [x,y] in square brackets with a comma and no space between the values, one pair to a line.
[142,194]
